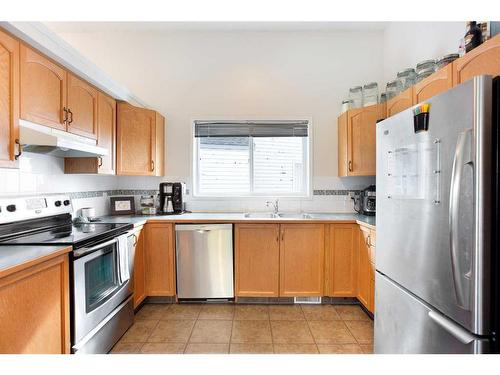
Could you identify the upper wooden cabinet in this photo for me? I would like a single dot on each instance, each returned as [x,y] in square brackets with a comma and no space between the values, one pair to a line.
[9,101]
[401,102]
[302,248]
[43,90]
[159,259]
[82,107]
[257,258]
[484,59]
[356,140]
[435,84]
[140,141]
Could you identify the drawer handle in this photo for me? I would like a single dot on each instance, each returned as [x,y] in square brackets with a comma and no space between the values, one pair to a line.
[152,165]
[350,166]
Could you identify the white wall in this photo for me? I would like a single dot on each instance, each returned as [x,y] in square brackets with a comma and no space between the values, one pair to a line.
[407,43]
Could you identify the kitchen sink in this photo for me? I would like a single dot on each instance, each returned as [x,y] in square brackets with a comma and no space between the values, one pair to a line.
[267,215]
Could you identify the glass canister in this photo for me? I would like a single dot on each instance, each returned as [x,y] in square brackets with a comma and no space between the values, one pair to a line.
[407,77]
[393,88]
[356,95]
[445,60]
[346,105]
[425,73]
[426,64]
[383,97]
[370,94]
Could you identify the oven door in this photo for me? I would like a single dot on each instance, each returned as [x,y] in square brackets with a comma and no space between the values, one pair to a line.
[101,283]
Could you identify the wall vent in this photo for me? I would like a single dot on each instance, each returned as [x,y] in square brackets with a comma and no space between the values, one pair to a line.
[307,300]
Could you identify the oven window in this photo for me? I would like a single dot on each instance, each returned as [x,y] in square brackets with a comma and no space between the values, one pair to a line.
[100,279]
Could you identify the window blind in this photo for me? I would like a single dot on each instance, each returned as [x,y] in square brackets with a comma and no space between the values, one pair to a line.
[206,129]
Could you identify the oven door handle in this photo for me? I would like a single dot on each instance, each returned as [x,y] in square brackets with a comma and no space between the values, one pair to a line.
[87,250]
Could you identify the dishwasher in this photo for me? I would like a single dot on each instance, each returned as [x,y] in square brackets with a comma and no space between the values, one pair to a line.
[204,254]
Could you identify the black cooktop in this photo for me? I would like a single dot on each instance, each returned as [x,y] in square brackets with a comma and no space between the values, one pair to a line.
[63,233]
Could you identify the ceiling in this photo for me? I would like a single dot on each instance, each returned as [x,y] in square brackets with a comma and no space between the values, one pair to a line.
[88,27]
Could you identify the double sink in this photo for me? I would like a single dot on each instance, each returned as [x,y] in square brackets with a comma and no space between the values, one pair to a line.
[272,215]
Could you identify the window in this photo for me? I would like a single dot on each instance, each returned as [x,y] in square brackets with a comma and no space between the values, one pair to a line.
[251,158]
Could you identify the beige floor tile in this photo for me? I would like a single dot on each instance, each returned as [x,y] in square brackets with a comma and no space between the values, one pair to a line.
[256,331]
[340,349]
[126,348]
[286,312]
[351,312]
[367,348]
[163,348]
[320,312]
[152,311]
[251,348]
[182,311]
[251,312]
[140,331]
[216,312]
[295,349]
[172,331]
[291,332]
[194,348]
[212,331]
[361,330]
[331,332]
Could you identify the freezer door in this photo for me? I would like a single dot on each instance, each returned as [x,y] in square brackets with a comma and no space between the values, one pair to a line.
[405,324]
[434,201]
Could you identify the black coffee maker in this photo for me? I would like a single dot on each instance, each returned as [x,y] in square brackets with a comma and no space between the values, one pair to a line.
[172,198]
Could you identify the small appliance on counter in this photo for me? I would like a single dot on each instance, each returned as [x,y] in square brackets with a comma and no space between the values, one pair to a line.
[172,198]
[86,215]
[364,201]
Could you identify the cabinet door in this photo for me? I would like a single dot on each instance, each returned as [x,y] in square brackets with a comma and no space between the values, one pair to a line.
[159,256]
[139,280]
[364,274]
[257,260]
[361,145]
[159,159]
[302,249]
[43,90]
[400,103]
[343,158]
[34,309]
[433,85]
[343,262]
[484,59]
[106,132]
[136,141]
[9,101]
[82,107]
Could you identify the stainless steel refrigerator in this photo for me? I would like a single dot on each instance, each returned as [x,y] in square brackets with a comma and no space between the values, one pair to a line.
[436,285]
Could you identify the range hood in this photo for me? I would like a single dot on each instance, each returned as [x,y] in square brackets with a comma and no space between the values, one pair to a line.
[44,140]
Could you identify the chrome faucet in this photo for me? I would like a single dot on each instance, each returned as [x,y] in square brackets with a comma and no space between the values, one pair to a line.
[275,205]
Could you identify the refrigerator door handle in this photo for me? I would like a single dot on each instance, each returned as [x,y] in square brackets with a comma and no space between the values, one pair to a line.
[456,177]
[452,328]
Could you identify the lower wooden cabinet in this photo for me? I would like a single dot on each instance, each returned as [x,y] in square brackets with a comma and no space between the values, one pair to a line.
[159,259]
[366,268]
[139,274]
[342,260]
[34,309]
[302,250]
[257,260]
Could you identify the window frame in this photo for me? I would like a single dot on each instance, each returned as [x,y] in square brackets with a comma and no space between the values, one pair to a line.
[307,156]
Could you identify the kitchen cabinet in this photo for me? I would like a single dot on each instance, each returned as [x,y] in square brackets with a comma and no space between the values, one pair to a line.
[43,89]
[484,59]
[139,274]
[257,260]
[356,140]
[82,107]
[159,259]
[401,102]
[366,268]
[106,137]
[435,84]
[140,141]
[302,259]
[9,101]
[34,307]
[342,263]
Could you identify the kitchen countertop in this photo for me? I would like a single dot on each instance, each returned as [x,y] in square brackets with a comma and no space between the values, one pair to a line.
[14,258]
[139,220]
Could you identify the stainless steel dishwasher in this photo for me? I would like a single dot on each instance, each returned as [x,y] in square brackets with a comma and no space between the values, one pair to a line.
[204,261]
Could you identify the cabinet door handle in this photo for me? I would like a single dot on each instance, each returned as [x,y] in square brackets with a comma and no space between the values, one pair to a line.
[100,162]
[350,166]
[65,120]
[282,235]
[71,119]
[135,240]
[19,150]
[152,165]
[368,241]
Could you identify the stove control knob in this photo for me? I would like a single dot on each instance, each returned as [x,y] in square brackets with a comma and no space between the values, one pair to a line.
[11,207]
[67,202]
[57,203]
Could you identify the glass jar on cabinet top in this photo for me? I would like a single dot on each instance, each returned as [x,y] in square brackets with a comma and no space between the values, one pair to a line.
[425,73]
[407,78]
[447,59]
[370,94]
[425,65]
[346,105]
[356,95]
[393,89]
